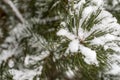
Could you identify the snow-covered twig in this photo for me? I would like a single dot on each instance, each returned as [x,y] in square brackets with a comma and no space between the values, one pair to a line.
[15,10]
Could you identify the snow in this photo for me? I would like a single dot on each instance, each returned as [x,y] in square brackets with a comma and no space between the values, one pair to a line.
[115,2]
[26,61]
[90,55]
[6,54]
[62,32]
[9,39]
[114,61]
[79,4]
[98,2]
[103,39]
[97,41]
[11,63]
[63,24]
[33,59]
[87,11]
[110,37]
[115,69]
[70,73]
[25,74]
[82,34]
[74,45]
[108,22]
[65,33]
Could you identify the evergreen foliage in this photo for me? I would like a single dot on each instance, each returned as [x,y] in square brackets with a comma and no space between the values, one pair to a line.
[113,6]
[59,40]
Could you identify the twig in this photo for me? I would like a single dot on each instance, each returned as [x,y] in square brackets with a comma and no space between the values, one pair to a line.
[15,10]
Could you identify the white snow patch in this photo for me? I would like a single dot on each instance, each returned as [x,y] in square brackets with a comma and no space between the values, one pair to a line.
[62,32]
[63,24]
[82,34]
[65,33]
[110,37]
[90,55]
[70,73]
[34,59]
[87,11]
[115,69]
[97,41]
[103,39]
[98,2]
[11,63]
[78,5]
[74,45]
[25,74]
[6,54]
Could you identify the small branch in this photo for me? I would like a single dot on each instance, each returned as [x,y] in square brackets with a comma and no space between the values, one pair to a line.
[15,10]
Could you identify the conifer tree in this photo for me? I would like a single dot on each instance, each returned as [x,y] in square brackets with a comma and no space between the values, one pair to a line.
[59,40]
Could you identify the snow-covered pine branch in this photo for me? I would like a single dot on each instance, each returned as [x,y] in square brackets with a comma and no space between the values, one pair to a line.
[93,27]
[62,39]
